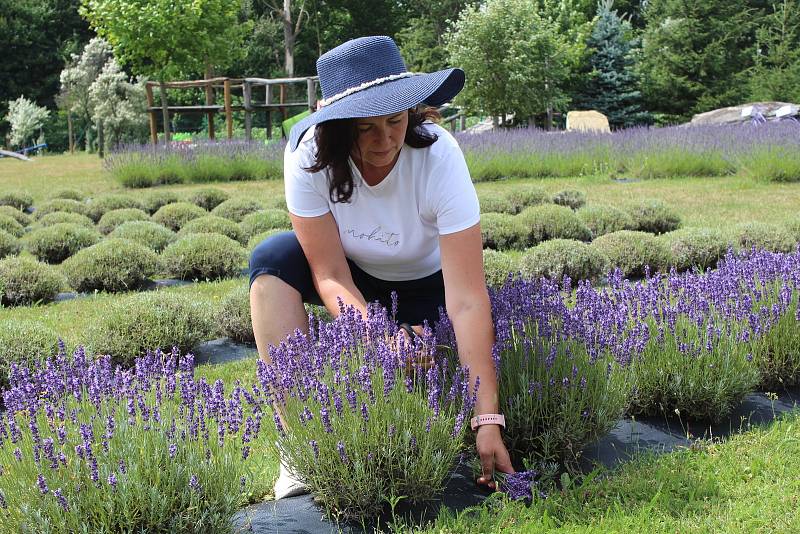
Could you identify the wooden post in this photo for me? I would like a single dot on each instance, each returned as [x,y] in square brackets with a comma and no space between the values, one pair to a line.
[268,88]
[463,121]
[152,113]
[210,114]
[312,94]
[71,133]
[228,112]
[283,101]
[248,119]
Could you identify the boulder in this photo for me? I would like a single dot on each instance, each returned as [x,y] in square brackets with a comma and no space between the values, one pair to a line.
[745,113]
[587,121]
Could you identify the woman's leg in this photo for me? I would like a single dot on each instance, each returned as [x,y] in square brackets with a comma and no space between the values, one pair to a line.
[277,310]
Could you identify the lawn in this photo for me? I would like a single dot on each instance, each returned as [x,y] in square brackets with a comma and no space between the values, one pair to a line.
[747,484]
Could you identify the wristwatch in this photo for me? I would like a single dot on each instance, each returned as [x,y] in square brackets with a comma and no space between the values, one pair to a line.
[488,419]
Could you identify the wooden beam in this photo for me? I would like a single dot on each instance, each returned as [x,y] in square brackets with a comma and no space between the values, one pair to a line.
[228,111]
[248,119]
[210,114]
[311,91]
[271,81]
[152,113]
[268,103]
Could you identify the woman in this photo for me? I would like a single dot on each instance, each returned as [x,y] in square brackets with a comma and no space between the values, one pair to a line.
[380,201]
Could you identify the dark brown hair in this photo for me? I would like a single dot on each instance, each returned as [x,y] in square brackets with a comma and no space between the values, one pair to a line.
[335,140]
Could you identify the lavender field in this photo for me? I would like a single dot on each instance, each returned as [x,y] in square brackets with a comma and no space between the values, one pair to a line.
[764,151]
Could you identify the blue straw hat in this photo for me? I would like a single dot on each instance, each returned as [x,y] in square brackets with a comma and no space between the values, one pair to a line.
[367,77]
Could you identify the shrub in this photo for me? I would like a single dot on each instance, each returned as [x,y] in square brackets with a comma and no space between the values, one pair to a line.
[541,223]
[17,199]
[203,257]
[169,463]
[21,217]
[111,219]
[654,216]
[133,324]
[603,220]
[154,200]
[557,258]
[559,388]
[497,266]
[27,281]
[495,202]
[793,227]
[97,207]
[111,265]
[571,198]
[389,431]
[58,217]
[501,231]
[263,220]
[60,204]
[56,243]
[258,238]
[631,251]
[71,194]
[147,233]
[524,195]
[211,224]
[236,209]
[10,225]
[277,202]
[233,316]
[698,248]
[207,198]
[24,342]
[175,215]
[760,235]
[9,245]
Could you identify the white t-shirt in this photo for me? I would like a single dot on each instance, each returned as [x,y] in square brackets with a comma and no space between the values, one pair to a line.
[391,230]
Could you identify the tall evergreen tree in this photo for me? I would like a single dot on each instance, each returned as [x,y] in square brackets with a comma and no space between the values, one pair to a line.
[612,84]
[693,54]
[776,72]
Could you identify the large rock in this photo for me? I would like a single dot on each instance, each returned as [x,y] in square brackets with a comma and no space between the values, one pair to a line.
[587,121]
[733,114]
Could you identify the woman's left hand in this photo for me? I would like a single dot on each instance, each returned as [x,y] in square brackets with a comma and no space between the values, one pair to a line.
[493,454]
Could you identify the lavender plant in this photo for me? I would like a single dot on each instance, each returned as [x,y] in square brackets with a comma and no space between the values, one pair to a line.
[148,165]
[88,448]
[562,370]
[354,409]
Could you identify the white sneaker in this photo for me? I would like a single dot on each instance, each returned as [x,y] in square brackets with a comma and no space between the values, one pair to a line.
[288,483]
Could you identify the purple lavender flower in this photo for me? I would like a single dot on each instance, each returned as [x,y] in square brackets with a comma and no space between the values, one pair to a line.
[314,447]
[42,483]
[194,483]
[62,500]
[18,454]
[342,453]
[173,449]
[112,481]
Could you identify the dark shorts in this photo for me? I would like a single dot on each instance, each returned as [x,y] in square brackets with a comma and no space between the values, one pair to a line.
[417,300]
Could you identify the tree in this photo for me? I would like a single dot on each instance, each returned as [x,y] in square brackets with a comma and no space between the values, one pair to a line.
[77,78]
[612,84]
[692,54]
[36,37]
[118,106]
[25,118]
[421,41]
[514,59]
[167,38]
[776,72]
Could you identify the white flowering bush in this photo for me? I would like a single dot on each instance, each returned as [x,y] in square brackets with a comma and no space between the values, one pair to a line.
[25,118]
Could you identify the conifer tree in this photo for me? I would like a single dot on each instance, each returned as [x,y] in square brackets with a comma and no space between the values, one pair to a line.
[612,84]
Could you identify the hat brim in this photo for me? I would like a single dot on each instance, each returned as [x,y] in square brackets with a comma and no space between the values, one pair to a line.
[434,89]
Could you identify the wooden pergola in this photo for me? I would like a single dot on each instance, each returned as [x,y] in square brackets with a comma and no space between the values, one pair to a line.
[248,86]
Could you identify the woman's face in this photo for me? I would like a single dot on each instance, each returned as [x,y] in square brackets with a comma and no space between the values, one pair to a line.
[379,139]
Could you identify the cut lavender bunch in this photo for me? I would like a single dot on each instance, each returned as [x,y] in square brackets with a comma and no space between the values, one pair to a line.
[354,409]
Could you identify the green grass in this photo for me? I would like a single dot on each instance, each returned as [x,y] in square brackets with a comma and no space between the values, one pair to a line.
[745,484]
